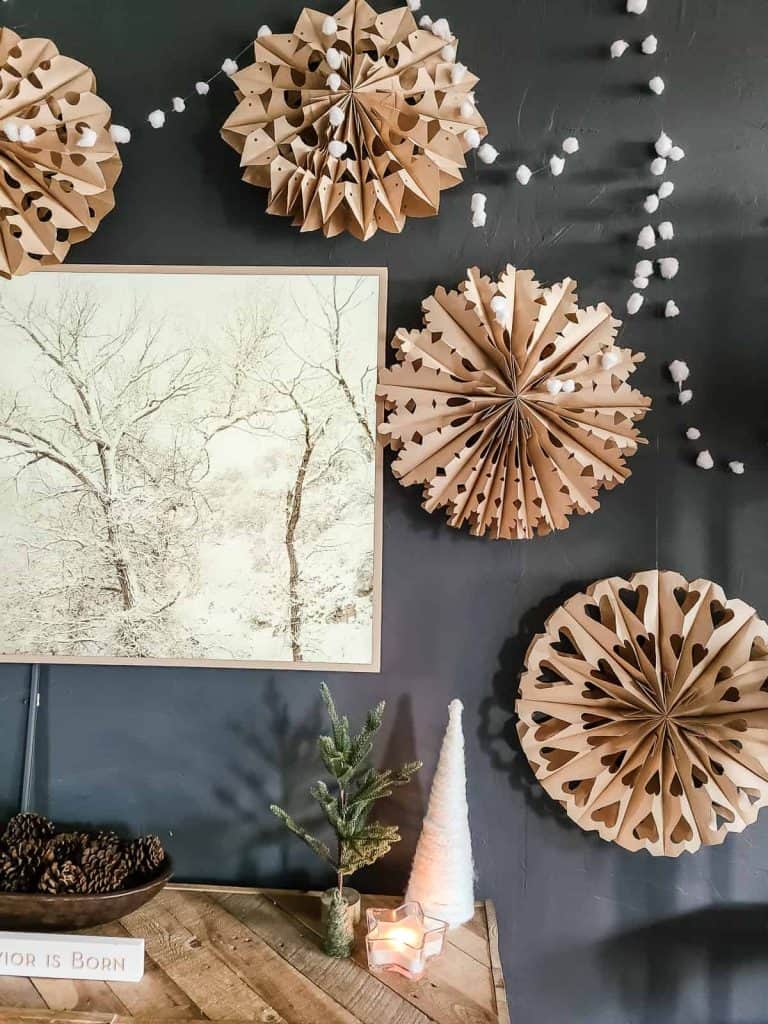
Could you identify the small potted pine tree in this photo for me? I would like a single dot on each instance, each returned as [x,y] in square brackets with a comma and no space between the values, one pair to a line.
[347,805]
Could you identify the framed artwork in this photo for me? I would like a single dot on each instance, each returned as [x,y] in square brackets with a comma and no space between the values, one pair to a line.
[189,472]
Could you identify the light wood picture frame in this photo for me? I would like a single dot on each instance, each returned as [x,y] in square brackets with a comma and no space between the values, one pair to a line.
[189,471]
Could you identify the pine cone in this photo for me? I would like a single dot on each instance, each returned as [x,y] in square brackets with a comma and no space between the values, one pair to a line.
[62,877]
[144,856]
[102,841]
[27,826]
[20,865]
[64,846]
[105,868]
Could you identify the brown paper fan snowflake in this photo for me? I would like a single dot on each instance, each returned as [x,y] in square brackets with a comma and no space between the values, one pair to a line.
[360,142]
[643,710]
[511,406]
[58,162]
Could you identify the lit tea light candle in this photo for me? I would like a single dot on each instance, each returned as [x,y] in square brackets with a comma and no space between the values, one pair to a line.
[403,940]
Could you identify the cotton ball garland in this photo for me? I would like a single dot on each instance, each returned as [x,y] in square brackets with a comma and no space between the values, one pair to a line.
[330,26]
[693,433]
[634,303]
[570,145]
[467,108]
[425,21]
[649,45]
[610,359]
[663,145]
[264,30]
[229,67]
[668,267]
[488,153]
[556,165]
[553,386]
[336,116]
[679,371]
[337,148]
[448,53]
[656,85]
[646,239]
[414,5]
[671,310]
[11,131]
[333,81]
[27,134]
[704,459]
[636,6]
[441,29]
[202,88]
[156,118]
[640,282]
[684,397]
[523,174]
[676,153]
[472,138]
[736,467]
[120,133]
[500,308]
[458,73]
[333,58]
[178,104]
[658,166]
[479,216]
[87,140]
[569,386]
[666,188]
[479,219]
[651,203]
[644,268]
[618,48]
[666,230]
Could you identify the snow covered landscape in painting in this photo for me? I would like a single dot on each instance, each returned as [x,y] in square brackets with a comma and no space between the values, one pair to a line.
[187,467]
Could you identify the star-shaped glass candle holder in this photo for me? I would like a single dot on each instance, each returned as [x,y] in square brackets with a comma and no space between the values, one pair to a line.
[403,939]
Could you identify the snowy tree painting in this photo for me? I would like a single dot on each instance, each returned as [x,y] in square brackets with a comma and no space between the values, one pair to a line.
[188,468]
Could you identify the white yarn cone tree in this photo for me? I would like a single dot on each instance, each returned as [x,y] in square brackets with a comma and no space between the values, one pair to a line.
[442,876]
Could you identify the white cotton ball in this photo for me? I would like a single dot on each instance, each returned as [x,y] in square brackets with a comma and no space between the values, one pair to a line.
[618,48]
[644,268]
[553,386]
[649,45]
[500,307]
[684,397]
[448,53]
[336,116]
[120,133]
[666,188]
[88,138]
[666,230]
[646,239]
[11,131]
[671,310]
[640,282]
[458,73]
[663,145]
[523,174]
[479,219]
[333,81]
[156,118]
[679,371]
[668,267]
[202,88]
[651,204]
[693,433]
[556,165]
[333,58]
[337,148]
[229,67]
[441,29]
[736,467]
[488,153]
[467,108]
[27,134]
[656,85]
[264,30]
[704,459]
[676,153]
[636,6]
[472,138]
[658,166]
[569,386]
[330,26]
[571,145]
[425,21]
[178,104]
[414,5]
[478,201]
[634,303]
[610,359]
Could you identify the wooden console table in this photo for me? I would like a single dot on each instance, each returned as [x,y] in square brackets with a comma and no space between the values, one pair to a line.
[235,955]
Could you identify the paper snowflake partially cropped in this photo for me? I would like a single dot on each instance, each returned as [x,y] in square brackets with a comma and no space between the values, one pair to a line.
[354,122]
[643,710]
[511,406]
[57,158]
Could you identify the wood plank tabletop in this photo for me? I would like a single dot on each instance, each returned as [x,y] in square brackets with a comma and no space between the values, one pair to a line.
[234,955]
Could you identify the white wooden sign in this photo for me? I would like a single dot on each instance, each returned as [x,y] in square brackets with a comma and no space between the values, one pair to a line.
[90,957]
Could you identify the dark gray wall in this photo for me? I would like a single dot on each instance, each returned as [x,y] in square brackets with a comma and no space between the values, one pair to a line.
[589,932]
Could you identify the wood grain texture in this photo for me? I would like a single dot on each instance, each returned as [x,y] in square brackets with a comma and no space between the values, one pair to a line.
[241,955]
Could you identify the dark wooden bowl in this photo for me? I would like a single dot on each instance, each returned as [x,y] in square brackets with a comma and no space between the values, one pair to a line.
[36,912]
